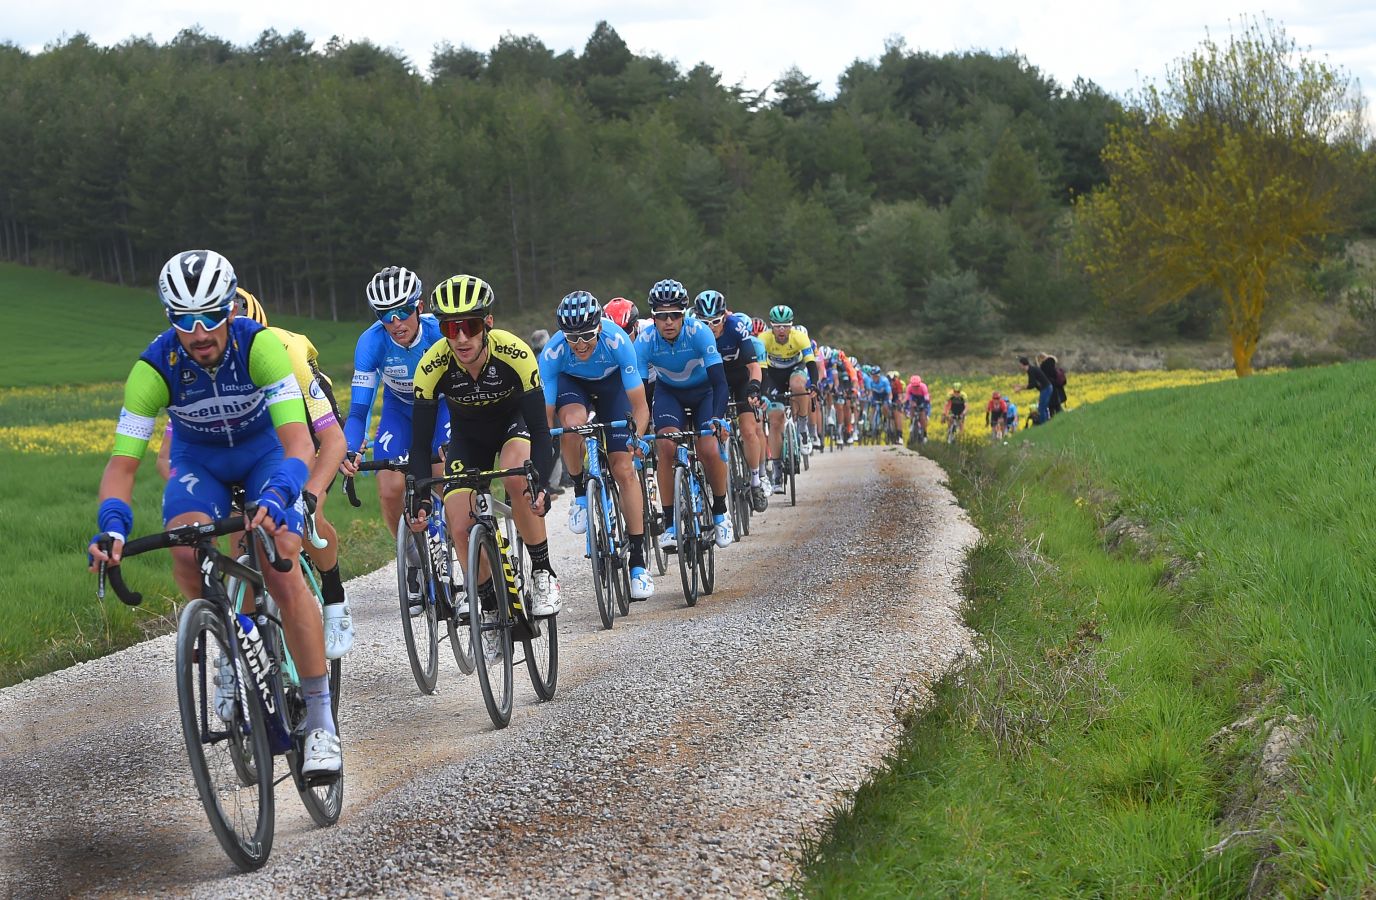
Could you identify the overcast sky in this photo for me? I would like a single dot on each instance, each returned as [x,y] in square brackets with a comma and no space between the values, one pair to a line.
[1114,43]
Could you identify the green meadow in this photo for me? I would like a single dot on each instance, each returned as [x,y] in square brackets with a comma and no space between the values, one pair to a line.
[1169,583]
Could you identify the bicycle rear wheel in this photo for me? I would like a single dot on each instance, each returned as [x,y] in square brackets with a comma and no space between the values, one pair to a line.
[599,555]
[649,494]
[490,629]
[542,646]
[324,799]
[241,814]
[621,564]
[791,455]
[460,639]
[422,633]
[684,524]
[706,555]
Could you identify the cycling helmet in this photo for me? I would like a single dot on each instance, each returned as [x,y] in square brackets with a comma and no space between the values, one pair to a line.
[462,296]
[710,304]
[579,311]
[621,311]
[914,381]
[893,373]
[781,315]
[249,306]
[668,294]
[956,386]
[197,281]
[393,288]
[757,326]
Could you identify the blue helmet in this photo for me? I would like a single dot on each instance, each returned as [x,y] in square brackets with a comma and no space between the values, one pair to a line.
[579,311]
[710,304]
[668,294]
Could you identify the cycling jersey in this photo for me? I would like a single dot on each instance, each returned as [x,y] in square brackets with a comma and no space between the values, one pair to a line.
[506,399]
[791,353]
[378,355]
[612,355]
[956,404]
[736,344]
[879,388]
[689,365]
[250,392]
[314,384]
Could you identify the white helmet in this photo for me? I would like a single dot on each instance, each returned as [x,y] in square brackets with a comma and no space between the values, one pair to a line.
[392,288]
[197,281]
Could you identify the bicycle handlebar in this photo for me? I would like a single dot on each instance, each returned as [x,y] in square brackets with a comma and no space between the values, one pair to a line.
[475,477]
[185,536]
[588,428]
[376,465]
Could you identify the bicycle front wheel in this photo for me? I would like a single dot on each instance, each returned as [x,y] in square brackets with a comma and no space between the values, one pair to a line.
[706,554]
[490,628]
[422,633]
[621,563]
[226,737]
[684,524]
[649,495]
[599,555]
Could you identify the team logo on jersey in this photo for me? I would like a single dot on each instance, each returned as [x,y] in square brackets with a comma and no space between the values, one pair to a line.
[188,376]
[172,358]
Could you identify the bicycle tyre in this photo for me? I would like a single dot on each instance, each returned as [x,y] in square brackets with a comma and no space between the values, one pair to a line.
[706,555]
[687,545]
[542,653]
[791,454]
[649,497]
[199,619]
[324,801]
[599,555]
[621,563]
[426,672]
[460,639]
[482,544]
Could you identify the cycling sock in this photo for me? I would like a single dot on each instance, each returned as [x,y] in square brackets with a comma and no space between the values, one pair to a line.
[719,505]
[539,557]
[487,595]
[754,477]
[637,547]
[580,484]
[668,515]
[331,586]
[317,692]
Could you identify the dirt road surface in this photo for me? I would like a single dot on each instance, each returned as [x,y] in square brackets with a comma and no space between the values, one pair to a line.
[688,752]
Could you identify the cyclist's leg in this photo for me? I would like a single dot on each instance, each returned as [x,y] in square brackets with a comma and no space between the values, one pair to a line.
[393,439]
[668,415]
[195,495]
[571,410]
[613,405]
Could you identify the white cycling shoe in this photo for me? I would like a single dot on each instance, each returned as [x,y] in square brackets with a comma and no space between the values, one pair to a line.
[642,585]
[544,593]
[668,541]
[578,515]
[323,754]
[226,703]
[725,535]
[339,630]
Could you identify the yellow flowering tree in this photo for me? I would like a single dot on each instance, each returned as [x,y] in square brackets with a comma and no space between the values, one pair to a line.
[1224,178]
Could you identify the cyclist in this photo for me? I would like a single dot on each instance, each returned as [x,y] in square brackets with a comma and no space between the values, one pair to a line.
[995,413]
[491,384]
[847,390]
[881,397]
[918,405]
[689,377]
[896,404]
[736,345]
[1010,417]
[791,366]
[237,416]
[625,314]
[328,438]
[590,363]
[390,349]
[955,408]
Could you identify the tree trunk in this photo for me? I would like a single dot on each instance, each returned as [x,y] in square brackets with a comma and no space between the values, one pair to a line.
[515,240]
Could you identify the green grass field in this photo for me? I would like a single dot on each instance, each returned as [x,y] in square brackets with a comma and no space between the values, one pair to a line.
[60,391]
[1078,757]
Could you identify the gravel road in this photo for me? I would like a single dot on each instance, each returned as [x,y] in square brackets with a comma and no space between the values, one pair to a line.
[687,752]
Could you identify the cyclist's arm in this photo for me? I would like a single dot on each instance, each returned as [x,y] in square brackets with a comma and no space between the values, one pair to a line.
[362,392]
[720,392]
[640,410]
[145,392]
[327,458]
[541,444]
[165,454]
[269,367]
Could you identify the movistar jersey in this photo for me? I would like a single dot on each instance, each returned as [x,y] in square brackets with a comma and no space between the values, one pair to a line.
[682,362]
[378,356]
[612,354]
[251,391]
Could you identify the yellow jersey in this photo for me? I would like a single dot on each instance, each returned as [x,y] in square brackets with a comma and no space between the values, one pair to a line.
[790,354]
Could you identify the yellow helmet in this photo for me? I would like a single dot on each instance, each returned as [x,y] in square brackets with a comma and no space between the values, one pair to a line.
[461,295]
[249,306]
[956,386]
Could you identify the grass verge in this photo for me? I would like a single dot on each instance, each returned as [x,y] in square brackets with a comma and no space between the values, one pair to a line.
[1171,696]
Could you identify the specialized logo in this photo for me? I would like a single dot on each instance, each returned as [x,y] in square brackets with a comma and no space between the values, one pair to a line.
[251,645]
[384,441]
[190,481]
[192,263]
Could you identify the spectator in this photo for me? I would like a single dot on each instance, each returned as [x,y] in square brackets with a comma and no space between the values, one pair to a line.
[1037,381]
[1047,364]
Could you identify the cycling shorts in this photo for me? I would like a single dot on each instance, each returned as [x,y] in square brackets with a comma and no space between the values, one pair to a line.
[673,405]
[776,382]
[478,446]
[204,476]
[606,395]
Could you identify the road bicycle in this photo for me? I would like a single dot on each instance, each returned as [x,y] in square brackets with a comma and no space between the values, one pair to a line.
[607,548]
[955,423]
[439,579]
[497,624]
[739,470]
[693,520]
[654,527]
[791,455]
[233,730]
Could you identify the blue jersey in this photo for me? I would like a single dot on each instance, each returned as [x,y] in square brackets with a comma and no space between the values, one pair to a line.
[736,344]
[879,387]
[377,355]
[612,354]
[680,363]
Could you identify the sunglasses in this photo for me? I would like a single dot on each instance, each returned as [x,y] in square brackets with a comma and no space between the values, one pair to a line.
[188,321]
[396,315]
[668,316]
[715,321]
[452,328]
[582,337]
